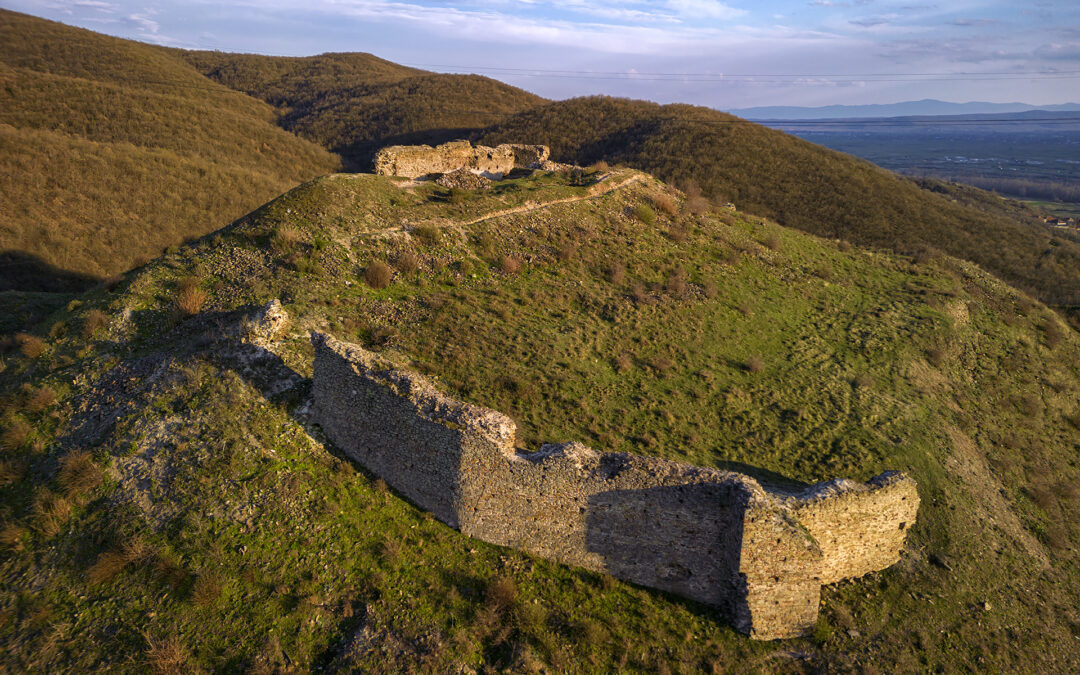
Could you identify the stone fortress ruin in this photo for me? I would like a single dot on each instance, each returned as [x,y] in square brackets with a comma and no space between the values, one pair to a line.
[758,554]
[420,161]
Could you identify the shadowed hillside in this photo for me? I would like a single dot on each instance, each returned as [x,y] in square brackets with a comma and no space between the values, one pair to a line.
[801,185]
[355,104]
[111,150]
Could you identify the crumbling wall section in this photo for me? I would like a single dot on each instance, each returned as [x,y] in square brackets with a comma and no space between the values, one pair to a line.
[713,536]
[860,528]
[417,161]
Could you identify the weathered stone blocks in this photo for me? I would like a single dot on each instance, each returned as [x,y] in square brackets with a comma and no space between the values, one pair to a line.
[714,536]
[417,161]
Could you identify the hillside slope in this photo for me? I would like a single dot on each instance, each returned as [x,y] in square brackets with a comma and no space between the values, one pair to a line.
[355,103]
[160,472]
[113,150]
[801,185]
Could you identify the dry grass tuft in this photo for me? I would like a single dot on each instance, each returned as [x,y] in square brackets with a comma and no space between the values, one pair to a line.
[11,471]
[378,274]
[510,265]
[206,592]
[755,364]
[190,298]
[285,238]
[16,432]
[501,594]
[106,568]
[167,656]
[39,400]
[78,473]
[600,167]
[50,513]
[94,321]
[30,346]
[13,536]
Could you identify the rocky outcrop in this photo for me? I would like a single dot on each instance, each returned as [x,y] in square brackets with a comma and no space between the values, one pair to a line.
[418,161]
[714,536]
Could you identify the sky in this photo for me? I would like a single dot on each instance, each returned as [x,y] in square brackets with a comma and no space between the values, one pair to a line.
[725,55]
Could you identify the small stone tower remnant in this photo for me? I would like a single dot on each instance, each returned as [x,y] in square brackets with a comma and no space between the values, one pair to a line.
[417,161]
[717,537]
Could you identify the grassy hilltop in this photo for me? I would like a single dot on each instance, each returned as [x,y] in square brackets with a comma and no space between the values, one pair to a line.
[157,480]
[806,186]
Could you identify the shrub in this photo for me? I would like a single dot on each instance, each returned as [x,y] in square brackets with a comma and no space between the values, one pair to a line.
[864,381]
[639,294]
[745,308]
[190,299]
[407,262]
[623,362]
[510,265]
[94,321]
[772,241]
[844,245]
[710,289]
[678,232]
[428,234]
[600,167]
[755,364]
[645,214]
[676,282]
[662,364]
[567,251]
[665,204]
[617,273]
[307,265]
[936,356]
[30,346]
[378,274]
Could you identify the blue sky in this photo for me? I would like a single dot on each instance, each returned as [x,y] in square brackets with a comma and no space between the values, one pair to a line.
[722,54]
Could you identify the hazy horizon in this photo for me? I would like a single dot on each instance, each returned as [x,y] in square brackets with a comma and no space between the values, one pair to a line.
[724,55]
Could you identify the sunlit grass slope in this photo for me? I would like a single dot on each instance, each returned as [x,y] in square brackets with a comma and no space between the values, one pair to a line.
[805,186]
[153,487]
[113,150]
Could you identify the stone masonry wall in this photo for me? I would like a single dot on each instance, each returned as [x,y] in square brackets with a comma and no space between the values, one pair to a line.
[713,536]
[416,161]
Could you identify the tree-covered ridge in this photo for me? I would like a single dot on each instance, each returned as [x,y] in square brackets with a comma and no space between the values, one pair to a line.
[356,103]
[113,150]
[801,185]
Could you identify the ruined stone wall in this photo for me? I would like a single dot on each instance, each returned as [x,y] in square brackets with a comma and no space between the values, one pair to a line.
[860,528]
[713,536]
[417,161]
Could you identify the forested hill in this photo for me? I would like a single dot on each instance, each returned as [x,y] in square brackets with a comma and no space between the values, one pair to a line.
[111,150]
[802,185]
[356,103]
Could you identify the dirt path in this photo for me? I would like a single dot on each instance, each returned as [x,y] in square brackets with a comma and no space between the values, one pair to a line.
[526,207]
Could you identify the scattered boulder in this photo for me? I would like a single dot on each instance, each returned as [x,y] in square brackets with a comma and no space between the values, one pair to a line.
[463,179]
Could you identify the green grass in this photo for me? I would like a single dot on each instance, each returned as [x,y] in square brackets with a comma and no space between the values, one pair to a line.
[864,362]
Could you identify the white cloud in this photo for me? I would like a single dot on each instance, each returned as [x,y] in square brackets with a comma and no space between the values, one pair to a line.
[705,9]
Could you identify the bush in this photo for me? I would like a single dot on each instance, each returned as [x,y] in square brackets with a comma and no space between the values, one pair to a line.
[617,273]
[645,214]
[428,234]
[94,321]
[755,364]
[676,282]
[772,241]
[665,204]
[378,274]
[600,167]
[407,262]
[510,265]
[30,346]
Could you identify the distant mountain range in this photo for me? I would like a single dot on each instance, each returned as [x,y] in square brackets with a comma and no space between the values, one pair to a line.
[927,106]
